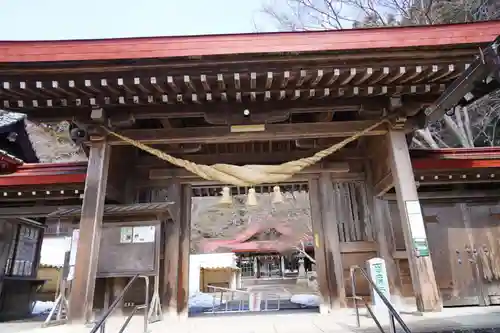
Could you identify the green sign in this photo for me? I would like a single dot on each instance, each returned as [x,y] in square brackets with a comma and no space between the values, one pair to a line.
[421,247]
[379,276]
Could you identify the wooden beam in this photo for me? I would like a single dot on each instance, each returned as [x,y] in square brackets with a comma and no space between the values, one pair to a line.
[184,251]
[384,185]
[197,181]
[223,134]
[361,246]
[171,253]
[422,271]
[330,220]
[387,246]
[33,211]
[456,194]
[248,157]
[320,252]
[381,219]
[157,174]
[379,166]
[369,104]
[82,292]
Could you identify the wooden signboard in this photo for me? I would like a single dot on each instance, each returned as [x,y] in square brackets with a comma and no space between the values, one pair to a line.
[129,248]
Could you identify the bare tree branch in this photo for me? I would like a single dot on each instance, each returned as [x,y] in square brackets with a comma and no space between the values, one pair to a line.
[468,127]
[303,251]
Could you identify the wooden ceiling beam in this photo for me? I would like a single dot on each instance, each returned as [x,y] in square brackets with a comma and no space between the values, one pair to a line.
[339,168]
[162,111]
[452,194]
[223,134]
[245,157]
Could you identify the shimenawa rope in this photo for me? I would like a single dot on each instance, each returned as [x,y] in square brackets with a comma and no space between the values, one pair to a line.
[247,175]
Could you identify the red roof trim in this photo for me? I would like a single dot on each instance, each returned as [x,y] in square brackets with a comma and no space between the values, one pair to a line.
[13,180]
[480,153]
[46,174]
[450,164]
[195,46]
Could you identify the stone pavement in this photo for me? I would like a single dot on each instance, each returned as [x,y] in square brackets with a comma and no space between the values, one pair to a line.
[292,322]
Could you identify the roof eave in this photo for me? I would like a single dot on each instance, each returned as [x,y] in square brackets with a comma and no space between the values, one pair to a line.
[198,46]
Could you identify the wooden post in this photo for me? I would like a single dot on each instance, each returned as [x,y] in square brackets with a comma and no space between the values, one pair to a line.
[171,253]
[184,250]
[422,272]
[332,240]
[387,247]
[319,245]
[82,293]
[118,285]
[326,243]
[384,234]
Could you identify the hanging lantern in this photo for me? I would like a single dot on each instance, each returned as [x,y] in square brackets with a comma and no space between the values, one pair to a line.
[252,199]
[226,199]
[277,195]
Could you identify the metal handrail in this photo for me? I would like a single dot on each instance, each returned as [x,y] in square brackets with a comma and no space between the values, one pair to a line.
[227,289]
[222,290]
[101,322]
[393,314]
[127,321]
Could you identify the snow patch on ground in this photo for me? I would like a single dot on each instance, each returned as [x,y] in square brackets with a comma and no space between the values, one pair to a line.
[42,307]
[203,300]
[306,299]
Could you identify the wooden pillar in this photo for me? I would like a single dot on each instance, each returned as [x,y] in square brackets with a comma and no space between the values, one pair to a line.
[387,247]
[118,285]
[184,251]
[326,243]
[82,292]
[171,253]
[422,272]
[319,245]
[282,266]
[384,233]
[332,239]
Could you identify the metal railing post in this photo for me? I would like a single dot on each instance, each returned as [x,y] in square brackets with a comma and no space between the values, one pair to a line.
[146,305]
[354,295]
[393,314]
[101,322]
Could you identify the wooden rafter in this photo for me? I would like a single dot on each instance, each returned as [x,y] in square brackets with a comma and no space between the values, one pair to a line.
[416,81]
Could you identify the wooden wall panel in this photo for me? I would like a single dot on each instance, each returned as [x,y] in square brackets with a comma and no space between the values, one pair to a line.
[356,231]
[359,259]
[485,229]
[464,240]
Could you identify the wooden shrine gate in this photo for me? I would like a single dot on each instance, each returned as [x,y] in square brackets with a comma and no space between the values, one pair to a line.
[230,99]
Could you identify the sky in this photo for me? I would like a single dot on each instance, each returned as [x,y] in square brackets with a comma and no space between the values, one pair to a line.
[90,19]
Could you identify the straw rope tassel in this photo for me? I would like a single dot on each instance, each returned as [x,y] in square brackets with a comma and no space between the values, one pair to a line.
[247,175]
